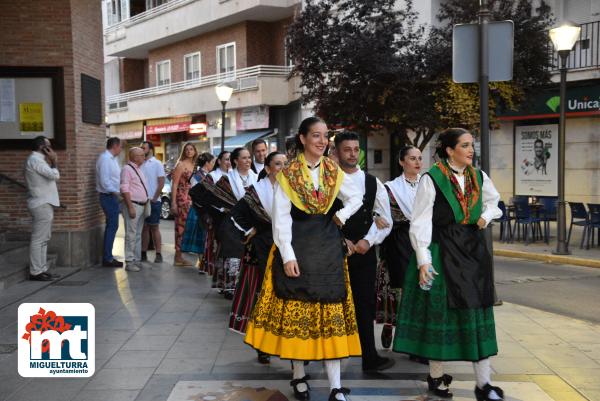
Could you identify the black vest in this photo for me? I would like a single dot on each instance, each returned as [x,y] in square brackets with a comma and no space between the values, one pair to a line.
[357,226]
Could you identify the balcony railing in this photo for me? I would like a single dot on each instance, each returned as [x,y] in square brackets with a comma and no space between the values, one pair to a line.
[148,14]
[586,53]
[240,80]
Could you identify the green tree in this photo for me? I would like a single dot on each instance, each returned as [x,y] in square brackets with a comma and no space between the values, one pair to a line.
[458,104]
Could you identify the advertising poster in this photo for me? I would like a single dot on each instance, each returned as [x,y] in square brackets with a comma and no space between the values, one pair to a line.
[536,160]
[31,117]
[253,118]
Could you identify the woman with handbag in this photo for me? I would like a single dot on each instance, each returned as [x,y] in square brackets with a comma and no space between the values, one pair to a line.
[447,312]
[305,310]
[252,216]
[180,199]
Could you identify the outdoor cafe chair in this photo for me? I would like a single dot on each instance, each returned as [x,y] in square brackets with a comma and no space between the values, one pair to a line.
[506,233]
[578,212]
[593,223]
[526,221]
[548,213]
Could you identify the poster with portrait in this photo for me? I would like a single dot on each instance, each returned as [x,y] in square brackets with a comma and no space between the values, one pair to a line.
[536,160]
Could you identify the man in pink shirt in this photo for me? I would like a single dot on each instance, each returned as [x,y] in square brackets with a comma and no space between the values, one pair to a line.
[135,197]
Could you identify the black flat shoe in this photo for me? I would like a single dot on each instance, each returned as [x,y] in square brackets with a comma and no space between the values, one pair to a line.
[263,359]
[434,385]
[336,391]
[41,277]
[301,395]
[387,335]
[484,394]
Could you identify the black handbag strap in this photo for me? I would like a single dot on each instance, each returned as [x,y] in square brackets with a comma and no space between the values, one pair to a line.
[142,181]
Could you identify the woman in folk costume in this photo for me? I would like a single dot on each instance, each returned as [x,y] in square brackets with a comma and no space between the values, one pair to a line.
[230,188]
[221,166]
[252,216]
[446,312]
[396,249]
[195,232]
[304,311]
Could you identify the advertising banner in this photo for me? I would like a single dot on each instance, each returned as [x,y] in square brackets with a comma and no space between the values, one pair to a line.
[536,160]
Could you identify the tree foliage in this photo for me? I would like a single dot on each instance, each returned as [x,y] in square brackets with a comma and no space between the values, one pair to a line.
[368,64]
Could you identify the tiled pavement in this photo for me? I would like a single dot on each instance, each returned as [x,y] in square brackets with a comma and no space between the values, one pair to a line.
[161,335]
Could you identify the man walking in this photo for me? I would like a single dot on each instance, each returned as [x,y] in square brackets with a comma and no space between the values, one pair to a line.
[41,174]
[155,177]
[362,234]
[135,196]
[259,150]
[108,176]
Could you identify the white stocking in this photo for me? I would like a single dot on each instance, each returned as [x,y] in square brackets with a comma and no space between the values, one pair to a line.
[483,373]
[436,370]
[333,369]
[298,373]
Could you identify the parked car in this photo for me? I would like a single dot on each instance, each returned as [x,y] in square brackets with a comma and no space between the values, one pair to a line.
[165,198]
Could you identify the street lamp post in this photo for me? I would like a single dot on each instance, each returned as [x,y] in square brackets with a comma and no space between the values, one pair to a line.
[563,38]
[224,92]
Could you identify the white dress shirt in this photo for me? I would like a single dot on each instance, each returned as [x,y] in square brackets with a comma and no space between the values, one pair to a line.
[41,181]
[108,173]
[153,170]
[375,236]
[421,224]
[259,167]
[349,194]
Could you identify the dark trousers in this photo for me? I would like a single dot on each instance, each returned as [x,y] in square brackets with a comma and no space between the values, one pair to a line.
[110,206]
[363,270]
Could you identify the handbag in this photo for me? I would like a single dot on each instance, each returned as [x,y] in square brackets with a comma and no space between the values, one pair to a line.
[148,204]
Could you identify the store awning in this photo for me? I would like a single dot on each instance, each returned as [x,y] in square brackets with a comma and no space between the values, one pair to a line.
[166,125]
[242,139]
[126,131]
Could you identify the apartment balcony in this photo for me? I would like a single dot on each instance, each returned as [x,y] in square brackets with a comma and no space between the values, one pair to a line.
[253,86]
[177,20]
[584,60]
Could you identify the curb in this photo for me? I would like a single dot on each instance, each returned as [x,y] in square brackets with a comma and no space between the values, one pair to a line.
[548,258]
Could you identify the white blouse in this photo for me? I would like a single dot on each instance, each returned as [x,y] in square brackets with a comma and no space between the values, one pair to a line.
[375,236]
[349,194]
[421,224]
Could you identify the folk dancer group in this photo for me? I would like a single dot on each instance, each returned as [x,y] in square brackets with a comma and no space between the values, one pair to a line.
[291,240]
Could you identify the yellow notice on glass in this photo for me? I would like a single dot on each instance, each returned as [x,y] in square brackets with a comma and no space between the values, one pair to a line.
[31,117]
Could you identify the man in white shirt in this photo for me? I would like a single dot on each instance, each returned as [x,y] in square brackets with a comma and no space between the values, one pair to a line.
[41,174]
[361,235]
[155,178]
[259,151]
[108,178]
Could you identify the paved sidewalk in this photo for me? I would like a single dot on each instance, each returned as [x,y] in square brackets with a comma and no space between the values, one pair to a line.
[162,335]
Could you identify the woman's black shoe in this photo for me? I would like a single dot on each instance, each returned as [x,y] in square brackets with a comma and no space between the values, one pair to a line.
[336,391]
[301,395]
[263,359]
[386,335]
[434,385]
[484,394]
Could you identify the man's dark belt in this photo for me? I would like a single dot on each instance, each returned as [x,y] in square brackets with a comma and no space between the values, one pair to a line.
[140,203]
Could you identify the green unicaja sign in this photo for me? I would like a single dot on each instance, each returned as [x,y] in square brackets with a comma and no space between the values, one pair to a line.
[553,103]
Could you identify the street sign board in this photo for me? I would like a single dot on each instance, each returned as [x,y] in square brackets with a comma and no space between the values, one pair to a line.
[465,52]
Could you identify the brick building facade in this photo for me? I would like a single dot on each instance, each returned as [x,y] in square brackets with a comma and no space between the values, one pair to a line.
[65,34]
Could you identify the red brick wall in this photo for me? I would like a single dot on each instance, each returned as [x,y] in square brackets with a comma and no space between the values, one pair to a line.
[256,43]
[207,46]
[69,35]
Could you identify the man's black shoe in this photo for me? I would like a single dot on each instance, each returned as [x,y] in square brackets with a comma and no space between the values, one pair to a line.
[381,364]
[41,277]
[144,256]
[112,263]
